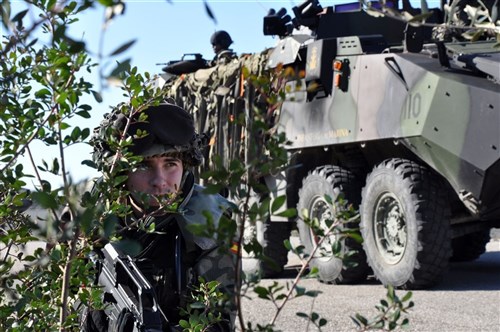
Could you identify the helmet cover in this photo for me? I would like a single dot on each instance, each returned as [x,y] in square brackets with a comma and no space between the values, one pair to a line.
[221,38]
[169,128]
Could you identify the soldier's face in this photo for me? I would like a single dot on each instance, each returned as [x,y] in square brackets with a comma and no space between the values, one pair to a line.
[217,48]
[157,175]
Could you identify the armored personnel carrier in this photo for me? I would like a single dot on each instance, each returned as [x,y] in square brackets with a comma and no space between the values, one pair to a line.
[405,128]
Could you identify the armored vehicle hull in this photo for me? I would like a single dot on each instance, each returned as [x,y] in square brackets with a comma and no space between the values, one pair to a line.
[447,120]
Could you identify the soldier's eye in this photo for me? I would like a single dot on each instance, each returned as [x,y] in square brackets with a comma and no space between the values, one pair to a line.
[143,166]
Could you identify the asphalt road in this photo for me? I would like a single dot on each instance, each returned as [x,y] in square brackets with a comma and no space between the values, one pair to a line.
[467,300]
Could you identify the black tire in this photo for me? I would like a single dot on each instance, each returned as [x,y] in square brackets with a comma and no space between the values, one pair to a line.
[408,249]
[332,181]
[469,247]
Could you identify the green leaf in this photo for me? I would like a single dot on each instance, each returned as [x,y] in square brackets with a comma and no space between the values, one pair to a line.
[107,3]
[197,305]
[85,133]
[209,12]
[45,200]
[5,11]
[264,206]
[277,203]
[19,16]
[300,290]
[64,125]
[406,297]
[42,93]
[59,32]
[120,69]
[397,314]
[86,219]
[51,3]
[361,319]
[119,180]
[75,133]
[97,96]
[85,114]
[312,293]
[288,213]
[55,166]
[262,292]
[390,293]
[336,247]
[184,324]
[89,163]
[213,284]
[328,199]
[301,314]
[75,46]
[123,47]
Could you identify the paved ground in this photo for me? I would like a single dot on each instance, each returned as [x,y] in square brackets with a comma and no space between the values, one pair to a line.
[468,300]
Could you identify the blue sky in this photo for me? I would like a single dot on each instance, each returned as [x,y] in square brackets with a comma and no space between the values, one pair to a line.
[165,31]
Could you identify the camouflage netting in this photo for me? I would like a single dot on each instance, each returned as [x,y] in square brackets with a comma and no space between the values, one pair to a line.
[216,97]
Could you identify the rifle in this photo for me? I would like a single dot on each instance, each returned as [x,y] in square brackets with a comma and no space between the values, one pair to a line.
[126,289]
[184,65]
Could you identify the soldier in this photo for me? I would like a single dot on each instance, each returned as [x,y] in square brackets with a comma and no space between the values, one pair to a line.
[169,150]
[221,40]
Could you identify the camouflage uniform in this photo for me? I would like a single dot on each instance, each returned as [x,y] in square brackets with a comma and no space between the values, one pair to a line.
[201,257]
[223,58]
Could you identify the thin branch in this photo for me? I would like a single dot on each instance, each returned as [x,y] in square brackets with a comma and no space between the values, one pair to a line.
[238,277]
[63,314]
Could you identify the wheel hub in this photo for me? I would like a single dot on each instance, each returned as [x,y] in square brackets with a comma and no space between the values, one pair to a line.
[321,210]
[390,228]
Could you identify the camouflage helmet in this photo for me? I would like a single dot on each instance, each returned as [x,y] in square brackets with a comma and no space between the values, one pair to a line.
[169,128]
[221,38]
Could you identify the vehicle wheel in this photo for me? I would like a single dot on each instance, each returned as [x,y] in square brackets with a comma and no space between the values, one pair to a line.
[331,181]
[405,224]
[270,235]
[469,247]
